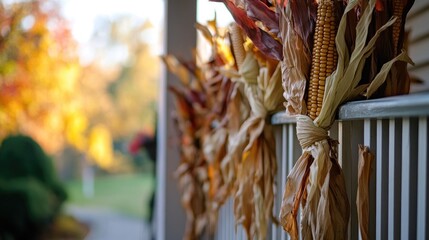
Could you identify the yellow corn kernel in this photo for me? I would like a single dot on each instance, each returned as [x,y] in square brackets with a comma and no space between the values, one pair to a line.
[324,60]
[398,8]
[237,42]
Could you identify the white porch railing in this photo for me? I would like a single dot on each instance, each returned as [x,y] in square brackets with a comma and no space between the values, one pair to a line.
[396,130]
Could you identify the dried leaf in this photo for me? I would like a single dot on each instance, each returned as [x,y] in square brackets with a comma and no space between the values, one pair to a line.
[303,15]
[346,77]
[261,39]
[205,31]
[201,114]
[259,11]
[253,147]
[381,76]
[176,68]
[294,189]
[295,64]
[362,198]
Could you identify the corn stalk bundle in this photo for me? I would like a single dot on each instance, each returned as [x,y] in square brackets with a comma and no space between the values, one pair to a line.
[237,110]
[316,182]
[207,107]
[253,147]
[259,21]
[227,113]
[296,23]
[254,196]
[192,171]
[389,45]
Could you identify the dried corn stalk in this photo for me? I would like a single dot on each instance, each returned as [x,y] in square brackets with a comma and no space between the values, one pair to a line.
[296,21]
[254,197]
[390,45]
[362,198]
[251,150]
[318,185]
[191,173]
[248,17]
[202,120]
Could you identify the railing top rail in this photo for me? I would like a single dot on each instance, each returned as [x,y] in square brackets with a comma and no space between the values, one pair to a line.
[412,105]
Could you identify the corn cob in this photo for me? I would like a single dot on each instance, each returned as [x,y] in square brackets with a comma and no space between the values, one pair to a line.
[398,8]
[324,60]
[237,42]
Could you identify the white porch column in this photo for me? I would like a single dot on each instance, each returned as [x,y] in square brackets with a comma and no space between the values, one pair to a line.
[179,39]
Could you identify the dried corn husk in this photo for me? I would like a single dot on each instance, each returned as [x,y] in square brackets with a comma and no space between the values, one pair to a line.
[191,171]
[346,77]
[175,67]
[324,203]
[254,144]
[202,115]
[362,198]
[388,46]
[262,39]
[295,64]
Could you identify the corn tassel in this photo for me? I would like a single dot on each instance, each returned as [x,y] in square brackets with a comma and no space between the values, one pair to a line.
[324,58]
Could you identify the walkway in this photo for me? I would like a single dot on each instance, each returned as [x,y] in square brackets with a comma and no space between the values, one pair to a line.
[108,225]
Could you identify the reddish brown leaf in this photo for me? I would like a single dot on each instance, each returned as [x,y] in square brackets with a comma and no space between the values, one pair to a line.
[261,12]
[261,39]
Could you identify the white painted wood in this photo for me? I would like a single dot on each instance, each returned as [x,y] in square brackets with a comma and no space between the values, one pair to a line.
[240,233]
[394,188]
[422,184]
[179,39]
[357,135]
[382,179]
[291,146]
[418,6]
[370,140]
[405,199]
[418,26]
[230,226]
[343,158]
[278,130]
[418,51]
[285,168]
[294,151]
[219,230]
[409,176]
[350,135]
[222,223]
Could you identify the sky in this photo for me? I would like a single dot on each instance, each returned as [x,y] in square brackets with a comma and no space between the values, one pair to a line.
[206,11]
[83,15]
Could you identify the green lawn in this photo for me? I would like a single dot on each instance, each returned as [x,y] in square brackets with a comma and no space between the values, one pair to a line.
[128,194]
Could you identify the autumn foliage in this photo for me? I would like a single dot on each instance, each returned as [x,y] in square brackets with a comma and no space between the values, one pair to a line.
[48,93]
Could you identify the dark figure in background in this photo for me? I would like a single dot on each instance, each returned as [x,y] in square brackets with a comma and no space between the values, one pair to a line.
[144,141]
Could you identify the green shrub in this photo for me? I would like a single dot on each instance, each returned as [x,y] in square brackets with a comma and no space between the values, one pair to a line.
[30,193]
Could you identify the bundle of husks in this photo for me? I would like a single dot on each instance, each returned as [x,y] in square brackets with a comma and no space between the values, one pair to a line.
[227,144]
[351,51]
[349,36]
[209,109]
[253,147]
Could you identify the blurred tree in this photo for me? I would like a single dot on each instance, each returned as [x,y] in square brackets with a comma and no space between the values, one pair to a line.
[46,93]
[39,72]
[131,82]
[133,90]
